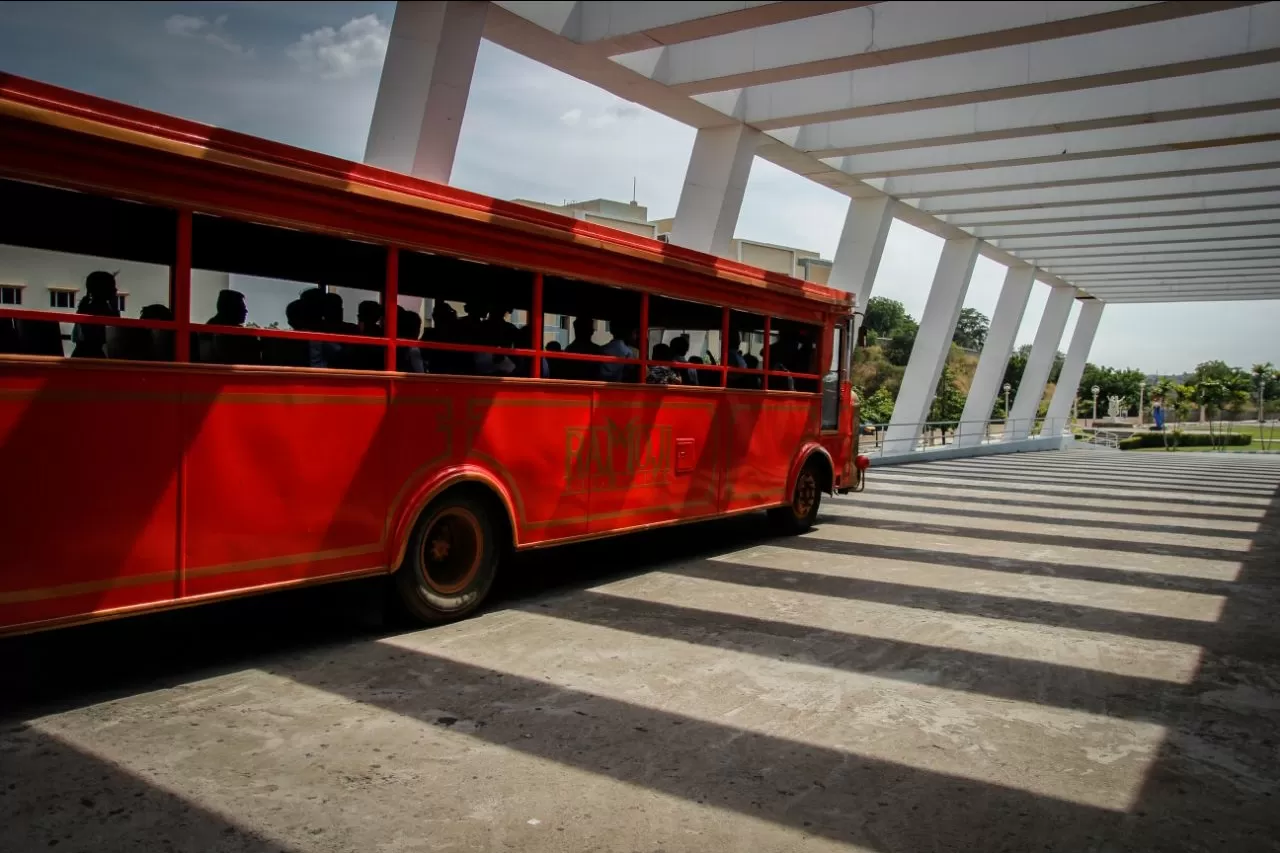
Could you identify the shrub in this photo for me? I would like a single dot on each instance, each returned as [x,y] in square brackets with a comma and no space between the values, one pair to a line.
[1186,439]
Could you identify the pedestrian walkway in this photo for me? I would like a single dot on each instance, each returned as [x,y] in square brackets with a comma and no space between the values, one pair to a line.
[1068,651]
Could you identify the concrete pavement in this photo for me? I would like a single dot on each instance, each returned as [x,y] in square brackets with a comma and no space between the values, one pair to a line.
[1070,651]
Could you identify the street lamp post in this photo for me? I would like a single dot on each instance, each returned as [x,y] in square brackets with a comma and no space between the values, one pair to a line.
[1096,390]
[1142,389]
[1007,389]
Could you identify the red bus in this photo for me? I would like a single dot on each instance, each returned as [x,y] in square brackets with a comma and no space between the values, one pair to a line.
[275,414]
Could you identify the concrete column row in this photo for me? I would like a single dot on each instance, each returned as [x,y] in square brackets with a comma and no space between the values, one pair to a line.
[422,97]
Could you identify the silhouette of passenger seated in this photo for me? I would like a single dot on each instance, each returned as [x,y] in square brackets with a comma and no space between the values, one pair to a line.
[135,344]
[409,359]
[622,345]
[100,301]
[230,349]
[583,329]
[661,374]
[369,324]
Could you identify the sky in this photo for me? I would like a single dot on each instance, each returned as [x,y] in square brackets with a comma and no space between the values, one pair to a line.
[307,73]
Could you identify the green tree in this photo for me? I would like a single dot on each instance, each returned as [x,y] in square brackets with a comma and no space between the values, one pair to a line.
[948,400]
[898,350]
[971,329]
[1265,388]
[884,315]
[878,408]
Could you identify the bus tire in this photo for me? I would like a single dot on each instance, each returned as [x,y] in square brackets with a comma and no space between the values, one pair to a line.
[806,496]
[451,559]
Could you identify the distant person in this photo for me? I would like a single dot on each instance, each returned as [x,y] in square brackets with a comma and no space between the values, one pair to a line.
[101,300]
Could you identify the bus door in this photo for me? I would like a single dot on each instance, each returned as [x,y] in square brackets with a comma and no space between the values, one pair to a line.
[654,456]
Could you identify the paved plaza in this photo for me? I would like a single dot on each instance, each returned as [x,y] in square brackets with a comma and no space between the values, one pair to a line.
[1074,651]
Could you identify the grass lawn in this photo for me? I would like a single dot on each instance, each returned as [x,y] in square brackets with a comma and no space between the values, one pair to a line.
[1266,430]
[1274,447]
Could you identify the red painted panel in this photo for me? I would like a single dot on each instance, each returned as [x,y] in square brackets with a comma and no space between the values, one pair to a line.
[87,462]
[628,459]
[286,478]
[525,432]
[765,434]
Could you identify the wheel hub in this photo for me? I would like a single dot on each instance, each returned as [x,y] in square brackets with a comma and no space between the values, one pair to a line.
[452,551]
[806,493]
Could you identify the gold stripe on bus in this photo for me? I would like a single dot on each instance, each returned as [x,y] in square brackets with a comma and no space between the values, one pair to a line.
[75,589]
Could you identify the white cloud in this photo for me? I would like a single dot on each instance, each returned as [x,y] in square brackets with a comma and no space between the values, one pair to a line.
[210,32]
[356,46]
[613,113]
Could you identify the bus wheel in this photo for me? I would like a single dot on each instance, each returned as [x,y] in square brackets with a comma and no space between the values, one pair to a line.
[451,559]
[805,498]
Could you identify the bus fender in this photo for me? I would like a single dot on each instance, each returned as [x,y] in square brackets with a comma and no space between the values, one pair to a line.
[807,452]
[424,492]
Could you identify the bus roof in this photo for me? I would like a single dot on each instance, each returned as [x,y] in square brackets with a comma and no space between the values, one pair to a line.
[41,103]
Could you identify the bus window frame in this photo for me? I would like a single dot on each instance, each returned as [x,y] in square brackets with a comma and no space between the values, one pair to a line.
[183,327]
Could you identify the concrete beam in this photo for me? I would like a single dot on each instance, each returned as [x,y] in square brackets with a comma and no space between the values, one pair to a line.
[1237,37]
[1120,238]
[422,94]
[1217,285]
[883,34]
[933,343]
[1239,269]
[1173,137]
[714,184]
[1159,260]
[1071,170]
[1144,223]
[1233,203]
[1101,194]
[1149,102]
[987,379]
[1060,411]
[1057,256]
[1242,296]
[1044,350]
[609,27]
[857,259]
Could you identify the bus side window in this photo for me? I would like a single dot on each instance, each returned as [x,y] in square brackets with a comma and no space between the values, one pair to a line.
[746,350]
[686,333]
[597,323]
[247,276]
[464,303]
[794,348]
[68,253]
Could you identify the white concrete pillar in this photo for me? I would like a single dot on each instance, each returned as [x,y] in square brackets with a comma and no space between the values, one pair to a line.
[933,343]
[714,185]
[866,226]
[1058,417]
[1040,363]
[996,350]
[422,95]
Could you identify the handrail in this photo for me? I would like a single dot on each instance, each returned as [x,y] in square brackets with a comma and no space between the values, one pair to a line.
[927,434]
